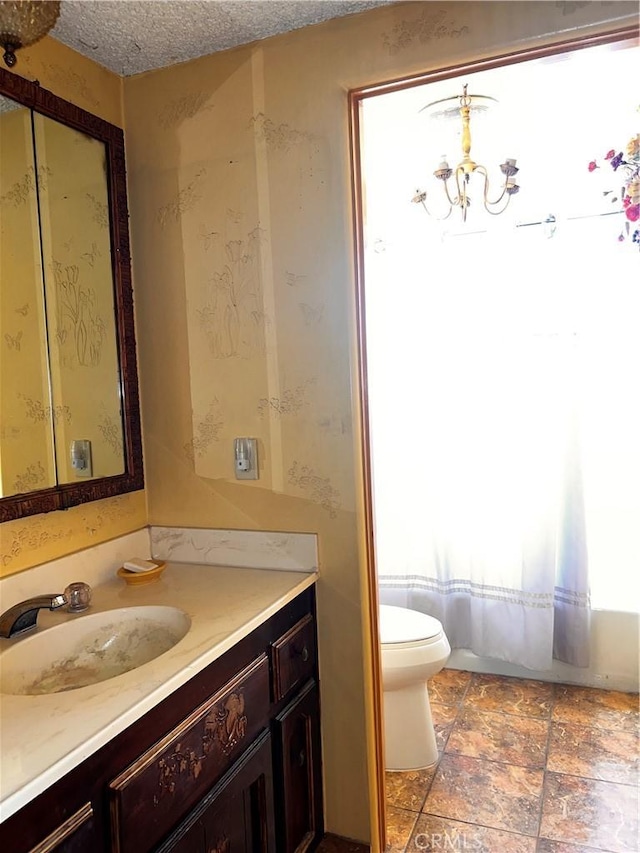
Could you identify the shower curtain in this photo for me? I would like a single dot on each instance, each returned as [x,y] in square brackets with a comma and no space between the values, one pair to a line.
[476,377]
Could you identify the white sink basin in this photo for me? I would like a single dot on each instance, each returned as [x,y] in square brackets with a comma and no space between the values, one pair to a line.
[89,649]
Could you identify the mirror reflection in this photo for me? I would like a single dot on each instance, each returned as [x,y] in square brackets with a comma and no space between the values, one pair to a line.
[60,391]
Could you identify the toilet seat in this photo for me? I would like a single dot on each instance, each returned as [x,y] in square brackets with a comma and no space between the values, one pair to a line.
[401,628]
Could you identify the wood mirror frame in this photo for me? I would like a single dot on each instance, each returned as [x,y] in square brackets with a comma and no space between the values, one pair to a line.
[63,495]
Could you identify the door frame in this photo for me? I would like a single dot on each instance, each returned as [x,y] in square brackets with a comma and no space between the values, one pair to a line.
[355,99]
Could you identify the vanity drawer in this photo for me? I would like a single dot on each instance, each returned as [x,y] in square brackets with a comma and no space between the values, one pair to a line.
[76,834]
[156,791]
[293,657]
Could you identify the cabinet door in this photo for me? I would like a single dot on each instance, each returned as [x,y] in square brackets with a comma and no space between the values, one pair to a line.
[298,772]
[165,783]
[237,815]
[188,839]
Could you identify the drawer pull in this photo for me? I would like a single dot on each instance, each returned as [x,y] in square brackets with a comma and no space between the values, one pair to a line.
[64,830]
[302,757]
[305,654]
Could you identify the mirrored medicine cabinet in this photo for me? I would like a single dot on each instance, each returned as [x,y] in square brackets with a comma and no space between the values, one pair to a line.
[69,404]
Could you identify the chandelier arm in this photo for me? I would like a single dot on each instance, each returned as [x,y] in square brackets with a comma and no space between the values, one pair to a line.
[433,216]
[486,201]
[497,200]
[462,201]
[439,218]
[461,198]
[502,209]
[421,198]
[453,202]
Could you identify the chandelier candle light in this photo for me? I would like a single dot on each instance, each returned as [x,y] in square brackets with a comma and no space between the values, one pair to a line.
[468,167]
[23,22]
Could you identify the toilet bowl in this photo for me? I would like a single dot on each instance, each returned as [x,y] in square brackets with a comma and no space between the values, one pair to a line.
[414,648]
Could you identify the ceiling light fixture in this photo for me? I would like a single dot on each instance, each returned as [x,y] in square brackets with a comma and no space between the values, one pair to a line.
[23,22]
[467,167]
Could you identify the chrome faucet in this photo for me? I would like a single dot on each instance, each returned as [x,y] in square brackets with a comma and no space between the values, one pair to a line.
[23,616]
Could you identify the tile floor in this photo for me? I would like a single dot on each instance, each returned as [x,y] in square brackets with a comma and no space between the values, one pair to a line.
[524,767]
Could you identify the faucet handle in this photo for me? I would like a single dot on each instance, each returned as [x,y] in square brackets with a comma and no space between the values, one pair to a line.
[77,596]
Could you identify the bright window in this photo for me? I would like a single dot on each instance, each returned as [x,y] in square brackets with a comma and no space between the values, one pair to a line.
[451,308]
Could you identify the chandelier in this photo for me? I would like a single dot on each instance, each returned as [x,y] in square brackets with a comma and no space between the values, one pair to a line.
[462,173]
[23,22]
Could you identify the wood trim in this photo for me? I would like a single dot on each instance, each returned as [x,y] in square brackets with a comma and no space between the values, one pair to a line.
[365,457]
[355,98]
[66,495]
[525,55]
[65,830]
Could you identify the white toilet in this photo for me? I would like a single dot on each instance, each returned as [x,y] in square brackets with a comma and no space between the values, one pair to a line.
[414,648]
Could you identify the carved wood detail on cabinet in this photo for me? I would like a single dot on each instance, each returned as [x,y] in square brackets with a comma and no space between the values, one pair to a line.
[156,790]
[237,815]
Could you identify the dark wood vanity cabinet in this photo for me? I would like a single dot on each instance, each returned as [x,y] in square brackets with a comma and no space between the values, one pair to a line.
[299,793]
[297,736]
[237,814]
[229,763]
[151,795]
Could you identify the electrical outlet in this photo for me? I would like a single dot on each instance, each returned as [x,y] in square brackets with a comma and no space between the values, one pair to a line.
[245,458]
[81,458]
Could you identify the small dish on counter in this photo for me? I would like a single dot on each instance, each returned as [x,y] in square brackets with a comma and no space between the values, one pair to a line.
[141,578]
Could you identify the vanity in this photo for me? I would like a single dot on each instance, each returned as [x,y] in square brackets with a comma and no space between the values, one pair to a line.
[213,746]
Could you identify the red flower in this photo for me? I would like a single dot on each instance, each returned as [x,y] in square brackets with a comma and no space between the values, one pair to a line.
[593,166]
[633,212]
[626,201]
[610,154]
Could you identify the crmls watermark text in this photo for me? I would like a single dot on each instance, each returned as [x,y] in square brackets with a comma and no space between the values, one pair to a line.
[445,841]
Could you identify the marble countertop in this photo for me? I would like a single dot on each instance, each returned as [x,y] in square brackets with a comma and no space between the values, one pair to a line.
[44,737]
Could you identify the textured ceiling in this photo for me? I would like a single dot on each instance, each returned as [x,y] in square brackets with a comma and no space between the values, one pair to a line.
[131,36]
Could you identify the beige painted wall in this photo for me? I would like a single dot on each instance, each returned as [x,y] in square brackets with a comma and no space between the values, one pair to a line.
[243,260]
[31,541]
